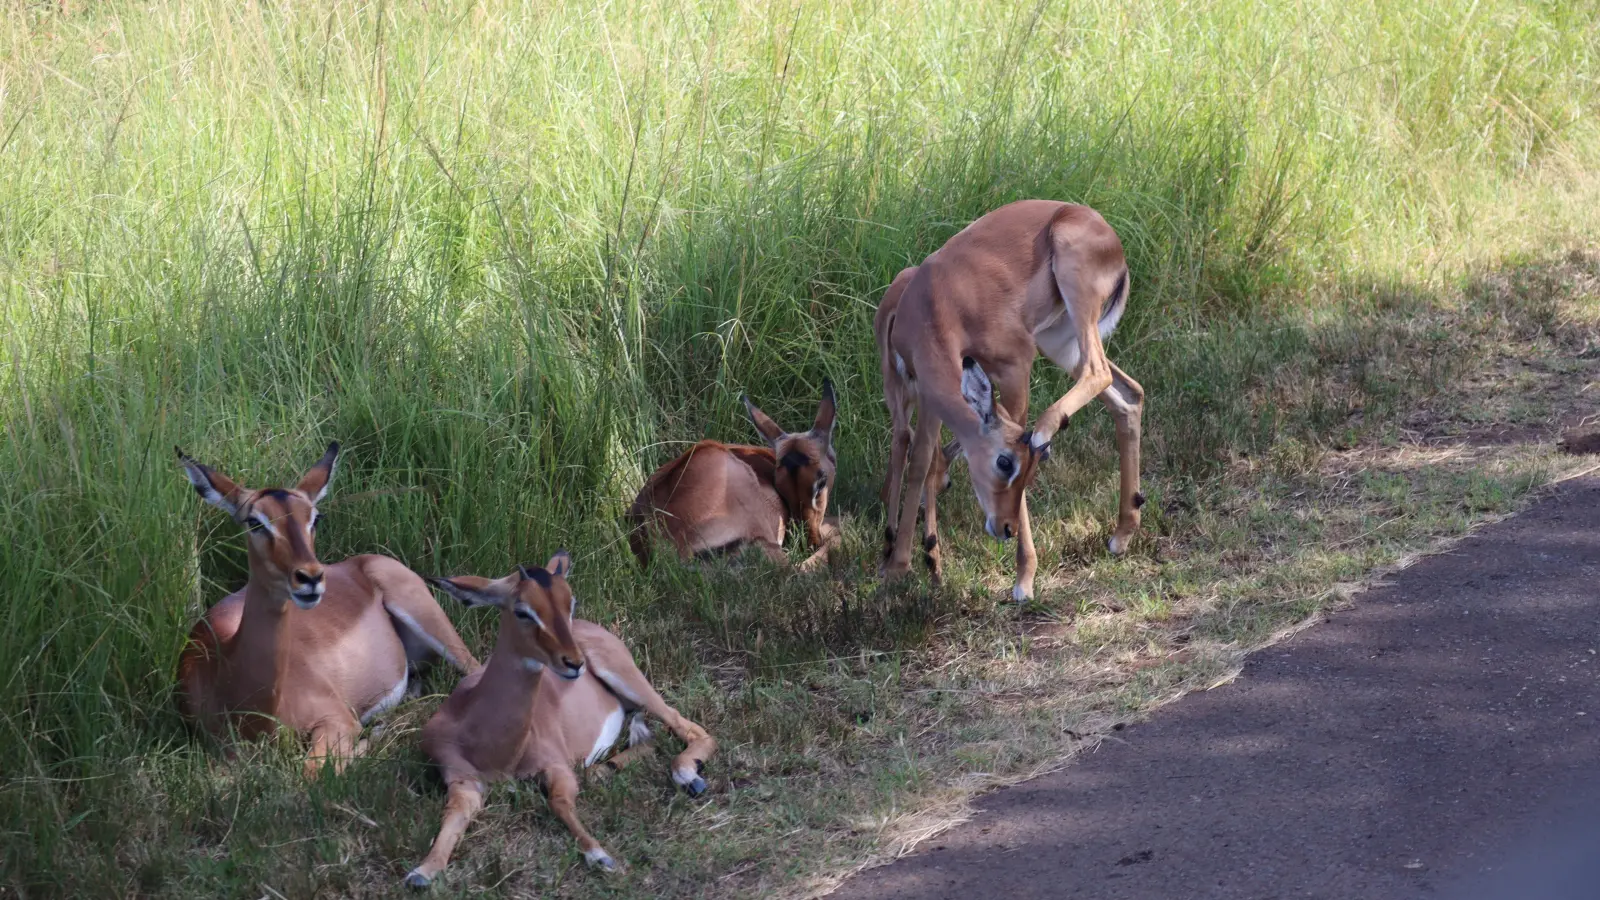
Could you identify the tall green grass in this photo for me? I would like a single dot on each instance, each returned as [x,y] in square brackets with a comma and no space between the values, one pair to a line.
[513,254]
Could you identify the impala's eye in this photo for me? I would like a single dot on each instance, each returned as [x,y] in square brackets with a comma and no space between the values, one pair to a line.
[523,613]
[315,521]
[1005,464]
[257,525]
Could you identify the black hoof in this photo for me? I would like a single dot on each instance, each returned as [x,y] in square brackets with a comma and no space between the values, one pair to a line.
[418,880]
[696,787]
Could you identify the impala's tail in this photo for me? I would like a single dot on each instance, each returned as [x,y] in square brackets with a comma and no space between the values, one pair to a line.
[1116,304]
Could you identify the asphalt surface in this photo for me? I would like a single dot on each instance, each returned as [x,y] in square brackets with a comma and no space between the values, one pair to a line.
[1441,738]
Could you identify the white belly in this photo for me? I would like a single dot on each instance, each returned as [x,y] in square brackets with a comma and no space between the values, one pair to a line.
[610,730]
[389,700]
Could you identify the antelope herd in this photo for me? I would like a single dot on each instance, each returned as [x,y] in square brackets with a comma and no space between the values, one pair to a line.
[322,649]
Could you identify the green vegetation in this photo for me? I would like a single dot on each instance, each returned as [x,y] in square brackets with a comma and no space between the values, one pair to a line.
[513,255]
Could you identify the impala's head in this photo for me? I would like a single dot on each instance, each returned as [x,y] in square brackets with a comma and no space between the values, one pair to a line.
[281,523]
[1002,460]
[805,460]
[536,607]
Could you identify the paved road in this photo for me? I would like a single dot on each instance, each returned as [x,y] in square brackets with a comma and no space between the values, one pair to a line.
[1439,739]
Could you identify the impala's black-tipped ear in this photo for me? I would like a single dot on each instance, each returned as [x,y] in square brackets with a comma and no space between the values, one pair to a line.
[560,564]
[763,422]
[536,574]
[314,483]
[978,391]
[474,590]
[827,413]
[212,486]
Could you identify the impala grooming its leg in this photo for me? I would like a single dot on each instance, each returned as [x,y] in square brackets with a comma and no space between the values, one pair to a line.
[720,497]
[554,694]
[318,649]
[1032,277]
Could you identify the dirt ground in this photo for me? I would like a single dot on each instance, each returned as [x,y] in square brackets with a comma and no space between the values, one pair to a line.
[1439,738]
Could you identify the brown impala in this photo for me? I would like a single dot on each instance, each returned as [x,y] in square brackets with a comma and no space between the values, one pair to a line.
[719,497]
[317,649]
[554,694]
[1033,277]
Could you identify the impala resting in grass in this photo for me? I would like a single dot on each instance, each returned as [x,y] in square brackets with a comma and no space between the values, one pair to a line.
[317,649]
[553,694]
[720,497]
[1032,277]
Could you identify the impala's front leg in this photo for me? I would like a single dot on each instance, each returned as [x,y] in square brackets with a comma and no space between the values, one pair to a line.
[332,743]
[922,450]
[563,788]
[825,538]
[463,802]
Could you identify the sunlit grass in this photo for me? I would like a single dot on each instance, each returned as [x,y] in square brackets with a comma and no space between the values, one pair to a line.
[512,255]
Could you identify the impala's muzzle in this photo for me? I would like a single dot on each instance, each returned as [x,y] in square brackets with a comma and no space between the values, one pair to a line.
[570,670]
[1003,533]
[308,588]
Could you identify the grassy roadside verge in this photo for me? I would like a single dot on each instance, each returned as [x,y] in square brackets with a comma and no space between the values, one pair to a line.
[512,255]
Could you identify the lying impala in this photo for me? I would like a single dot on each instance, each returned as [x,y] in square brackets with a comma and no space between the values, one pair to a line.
[510,719]
[719,497]
[317,649]
[1035,276]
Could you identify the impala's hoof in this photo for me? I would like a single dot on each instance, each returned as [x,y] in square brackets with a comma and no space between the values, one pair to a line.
[416,879]
[1021,594]
[696,787]
[600,859]
[1118,544]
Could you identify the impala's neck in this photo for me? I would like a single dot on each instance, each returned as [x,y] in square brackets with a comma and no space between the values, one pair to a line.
[256,658]
[503,698]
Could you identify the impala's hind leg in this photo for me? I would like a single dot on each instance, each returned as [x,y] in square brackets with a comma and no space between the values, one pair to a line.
[1125,399]
[899,449]
[463,802]
[923,447]
[424,629]
[611,662]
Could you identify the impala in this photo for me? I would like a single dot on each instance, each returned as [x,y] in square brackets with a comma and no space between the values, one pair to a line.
[1032,277]
[512,719]
[313,648]
[720,497]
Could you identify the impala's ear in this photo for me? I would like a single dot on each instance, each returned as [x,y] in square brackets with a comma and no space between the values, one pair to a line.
[977,390]
[477,591]
[764,424]
[212,486]
[560,564]
[827,411]
[315,482]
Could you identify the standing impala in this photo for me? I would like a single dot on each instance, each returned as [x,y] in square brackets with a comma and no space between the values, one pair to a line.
[717,497]
[317,649]
[512,719]
[1032,277]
